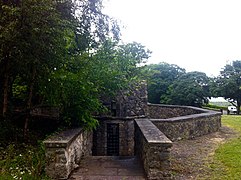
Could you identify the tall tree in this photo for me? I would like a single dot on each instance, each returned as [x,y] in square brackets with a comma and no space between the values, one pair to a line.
[228,83]
[79,85]
[189,89]
[161,76]
[39,37]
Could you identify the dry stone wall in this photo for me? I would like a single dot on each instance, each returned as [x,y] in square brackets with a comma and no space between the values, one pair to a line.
[132,103]
[159,111]
[190,123]
[153,148]
[65,150]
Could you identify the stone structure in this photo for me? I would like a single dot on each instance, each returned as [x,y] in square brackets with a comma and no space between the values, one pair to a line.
[153,148]
[160,111]
[189,123]
[65,150]
[133,127]
[125,142]
[133,103]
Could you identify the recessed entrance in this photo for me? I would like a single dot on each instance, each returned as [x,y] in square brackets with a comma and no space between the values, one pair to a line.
[112,139]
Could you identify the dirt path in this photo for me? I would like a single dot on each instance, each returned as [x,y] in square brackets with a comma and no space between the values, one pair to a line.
[190,158]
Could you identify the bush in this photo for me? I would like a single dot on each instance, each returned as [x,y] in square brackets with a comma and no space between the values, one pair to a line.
[22,162]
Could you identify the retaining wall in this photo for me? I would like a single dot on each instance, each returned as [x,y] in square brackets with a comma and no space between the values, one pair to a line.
[64,151]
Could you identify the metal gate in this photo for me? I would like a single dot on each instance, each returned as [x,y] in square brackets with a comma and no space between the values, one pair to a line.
[113,139]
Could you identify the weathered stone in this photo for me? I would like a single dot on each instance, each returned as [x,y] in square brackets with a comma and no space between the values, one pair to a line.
[147,138]
[190,126]
[160,111]
[126,136]
[153,147]
[64,151]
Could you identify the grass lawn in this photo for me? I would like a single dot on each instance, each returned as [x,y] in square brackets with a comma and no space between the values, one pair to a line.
[227,158]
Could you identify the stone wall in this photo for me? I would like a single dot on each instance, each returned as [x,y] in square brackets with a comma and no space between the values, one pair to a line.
[132,102]
[187,127]
[126,136]
[159,111]
[153,148]
[64,151]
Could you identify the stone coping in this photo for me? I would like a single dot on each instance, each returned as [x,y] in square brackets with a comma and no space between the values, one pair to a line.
[118,118]
[151,133]
[208,113]
[62,139]
[200,110]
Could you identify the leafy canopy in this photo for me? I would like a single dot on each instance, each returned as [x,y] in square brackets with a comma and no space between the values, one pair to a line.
[228,83]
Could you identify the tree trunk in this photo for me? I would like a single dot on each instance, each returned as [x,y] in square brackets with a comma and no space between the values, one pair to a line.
[5,87]
[29,104]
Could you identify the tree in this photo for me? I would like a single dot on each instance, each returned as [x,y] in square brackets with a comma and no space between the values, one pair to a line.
[79,85]
[228,84]
[161,76]
[189,89]
[37,38]
[65,54]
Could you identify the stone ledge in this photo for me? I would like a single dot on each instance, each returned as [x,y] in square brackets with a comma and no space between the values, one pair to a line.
[63,151]
[151,133]
[153,148]
[188,117]
[160,111]
[62,139]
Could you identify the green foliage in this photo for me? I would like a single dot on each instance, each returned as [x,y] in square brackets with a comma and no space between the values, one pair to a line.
[189,89]
[161,76]
[228,84]
[22,162]
[60,54]
[80,84]
[170,84]
[227,158]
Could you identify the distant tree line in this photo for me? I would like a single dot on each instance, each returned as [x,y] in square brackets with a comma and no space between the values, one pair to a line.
[170,84]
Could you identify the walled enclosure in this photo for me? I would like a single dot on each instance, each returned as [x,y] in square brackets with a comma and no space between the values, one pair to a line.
[145,130]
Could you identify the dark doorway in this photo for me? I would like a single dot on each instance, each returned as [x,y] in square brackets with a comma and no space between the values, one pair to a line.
[112,139]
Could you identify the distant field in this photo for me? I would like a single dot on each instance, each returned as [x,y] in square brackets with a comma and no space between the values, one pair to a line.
[222,104]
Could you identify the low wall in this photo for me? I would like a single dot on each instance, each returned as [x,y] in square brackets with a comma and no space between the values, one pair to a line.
[187,127]
[153,148]
[64,151]
[159,111]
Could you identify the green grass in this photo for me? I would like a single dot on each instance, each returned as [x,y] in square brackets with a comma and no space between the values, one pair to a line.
[214,107]
[233,122]
[227,158]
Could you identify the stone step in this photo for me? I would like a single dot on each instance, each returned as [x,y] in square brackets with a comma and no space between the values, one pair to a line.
[109,168]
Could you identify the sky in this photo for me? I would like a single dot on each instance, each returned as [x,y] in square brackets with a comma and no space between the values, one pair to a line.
[198,35]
